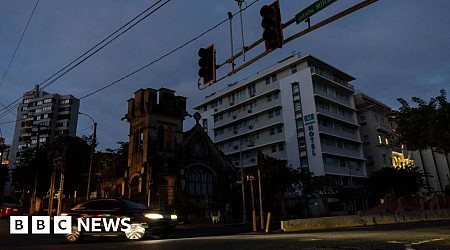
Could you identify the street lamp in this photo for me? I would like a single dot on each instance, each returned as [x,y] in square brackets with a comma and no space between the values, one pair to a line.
[92,155]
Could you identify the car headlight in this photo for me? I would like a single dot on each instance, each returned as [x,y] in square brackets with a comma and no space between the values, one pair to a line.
[154,216]
[173,216]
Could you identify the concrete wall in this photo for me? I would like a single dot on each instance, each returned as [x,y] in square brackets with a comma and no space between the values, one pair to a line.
[356,220]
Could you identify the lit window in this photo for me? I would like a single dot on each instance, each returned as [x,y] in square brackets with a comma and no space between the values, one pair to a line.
[380,140]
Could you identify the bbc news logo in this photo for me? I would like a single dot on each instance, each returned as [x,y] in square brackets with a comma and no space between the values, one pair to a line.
[63,225]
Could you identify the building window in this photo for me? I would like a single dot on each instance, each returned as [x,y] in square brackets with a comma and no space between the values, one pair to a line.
[274,77]
[273,148]
[380,140]
[277,112]
[205,124]
[294,69]
[281,146]
[279,129]
[295,88]
[270,114]
[272,131]
[138,139]
[199,181]
[269,98]
[161,137]
[267,80]
[365,140]
[66,101]
[297,105]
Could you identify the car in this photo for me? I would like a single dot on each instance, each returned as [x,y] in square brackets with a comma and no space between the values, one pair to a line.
[8,209]
[140,220]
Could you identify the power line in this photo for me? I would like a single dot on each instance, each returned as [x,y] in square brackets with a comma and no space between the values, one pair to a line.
[15,50]
[165,55]
[94,52]
[157,60]
[18,44]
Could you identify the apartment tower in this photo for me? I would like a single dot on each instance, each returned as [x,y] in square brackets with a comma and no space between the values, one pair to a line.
[301,110]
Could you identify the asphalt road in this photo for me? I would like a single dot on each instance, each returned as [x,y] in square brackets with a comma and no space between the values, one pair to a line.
[407,236]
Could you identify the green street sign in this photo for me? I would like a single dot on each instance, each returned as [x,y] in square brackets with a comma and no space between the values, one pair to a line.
[312,9]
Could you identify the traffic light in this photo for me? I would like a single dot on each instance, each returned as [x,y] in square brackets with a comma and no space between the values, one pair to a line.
[271,23]
[207,63]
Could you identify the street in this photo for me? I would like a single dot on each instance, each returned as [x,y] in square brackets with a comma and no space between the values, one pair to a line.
[408,236]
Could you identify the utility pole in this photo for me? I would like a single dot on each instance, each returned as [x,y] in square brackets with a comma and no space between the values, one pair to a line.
[244,212]
[33,195]
[261,213]
[94,138]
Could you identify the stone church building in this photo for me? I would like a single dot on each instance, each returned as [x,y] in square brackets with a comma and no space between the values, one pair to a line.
[169,168]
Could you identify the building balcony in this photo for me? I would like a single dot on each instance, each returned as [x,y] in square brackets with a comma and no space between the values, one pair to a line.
[383,127]
[327,149]
[339,133]
[330,77]
[336,116]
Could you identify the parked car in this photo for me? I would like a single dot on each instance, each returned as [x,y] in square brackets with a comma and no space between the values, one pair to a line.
[143,221]
[8,209]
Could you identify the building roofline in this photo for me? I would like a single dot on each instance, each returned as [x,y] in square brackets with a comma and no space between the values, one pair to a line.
[280,65]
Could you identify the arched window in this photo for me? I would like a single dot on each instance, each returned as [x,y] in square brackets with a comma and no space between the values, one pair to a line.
[169,138]
[161,138]
[200,181]
[134,187]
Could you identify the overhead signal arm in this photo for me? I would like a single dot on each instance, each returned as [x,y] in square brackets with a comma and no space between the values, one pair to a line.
[268,50]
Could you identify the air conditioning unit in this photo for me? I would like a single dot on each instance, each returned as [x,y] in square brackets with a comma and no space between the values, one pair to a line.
[215,110]
[249,111]
[234,116]
[236,147]
[235,132]
[250,127]
[252,94]
[231,103]
[253,159]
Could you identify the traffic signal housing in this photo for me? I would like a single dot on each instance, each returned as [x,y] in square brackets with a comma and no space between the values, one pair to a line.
[207,63]
[272,25]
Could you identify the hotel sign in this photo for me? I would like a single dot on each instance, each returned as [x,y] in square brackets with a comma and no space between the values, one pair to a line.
[308,121]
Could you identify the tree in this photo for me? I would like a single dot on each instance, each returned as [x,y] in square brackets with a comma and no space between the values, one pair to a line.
[400,182]
[76,154]
[111,168]
[424,126]
[277,179]
[322,187]
[4,177]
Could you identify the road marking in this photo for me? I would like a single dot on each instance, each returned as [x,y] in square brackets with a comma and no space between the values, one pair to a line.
[408,246]
[426,241]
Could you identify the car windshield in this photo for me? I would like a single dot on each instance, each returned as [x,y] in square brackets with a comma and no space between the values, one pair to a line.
[10,205]
[134,205]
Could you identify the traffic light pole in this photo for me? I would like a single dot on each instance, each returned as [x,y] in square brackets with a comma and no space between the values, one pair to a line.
[289,39]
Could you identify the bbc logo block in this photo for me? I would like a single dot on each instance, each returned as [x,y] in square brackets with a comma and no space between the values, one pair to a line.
[40,225]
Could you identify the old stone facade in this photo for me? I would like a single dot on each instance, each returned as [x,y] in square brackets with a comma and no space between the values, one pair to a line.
[169,169]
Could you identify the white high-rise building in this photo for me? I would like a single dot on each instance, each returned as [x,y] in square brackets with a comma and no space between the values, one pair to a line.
[300,110]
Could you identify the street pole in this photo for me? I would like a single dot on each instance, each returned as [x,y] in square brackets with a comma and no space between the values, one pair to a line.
[250,179]
[33,195]
[244,212]
[261,213]
[91,162]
